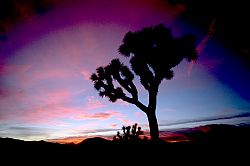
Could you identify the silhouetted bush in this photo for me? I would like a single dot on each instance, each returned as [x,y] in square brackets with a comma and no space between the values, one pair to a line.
[129,134]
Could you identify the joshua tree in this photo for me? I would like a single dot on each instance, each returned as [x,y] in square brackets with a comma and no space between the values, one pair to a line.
[153,52]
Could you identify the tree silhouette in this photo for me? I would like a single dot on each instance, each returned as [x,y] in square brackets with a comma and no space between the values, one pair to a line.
[129,133]
[153,52]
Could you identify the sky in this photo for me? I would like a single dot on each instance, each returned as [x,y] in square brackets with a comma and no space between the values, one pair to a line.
[49,49]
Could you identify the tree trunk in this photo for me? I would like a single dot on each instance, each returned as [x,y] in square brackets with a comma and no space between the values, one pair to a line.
[153,125]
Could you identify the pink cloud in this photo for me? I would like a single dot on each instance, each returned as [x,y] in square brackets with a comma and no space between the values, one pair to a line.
[54,114]
[113,125]
[125,121]
[54,73]
[101,116]
[10,92]
[86,74]
[50,114]
[93,103]
[40,107]
[38,74]
[11,100]
[60,96]
[47,107]
[13,68]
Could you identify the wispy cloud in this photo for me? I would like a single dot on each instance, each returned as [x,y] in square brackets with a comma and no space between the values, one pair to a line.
[125,121]
[24,132]
[10,92]
[13,69]
[48,97]
[48,107]
[54,114]
[224,117]
[49,72]
[93,103]
[114,125]
[98,131]
[50,114]
[86,74]
[98,116]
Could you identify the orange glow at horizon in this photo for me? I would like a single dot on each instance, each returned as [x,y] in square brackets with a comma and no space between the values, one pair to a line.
[69,140]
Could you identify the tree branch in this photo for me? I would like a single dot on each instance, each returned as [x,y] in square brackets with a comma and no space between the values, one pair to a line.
[123,83]
[135,102]
[128,86]
[134,91]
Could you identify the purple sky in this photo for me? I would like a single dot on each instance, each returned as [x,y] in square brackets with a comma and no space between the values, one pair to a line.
[45,91]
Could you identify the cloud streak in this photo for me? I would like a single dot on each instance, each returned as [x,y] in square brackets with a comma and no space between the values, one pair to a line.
[242,115]
[9,69]
[86,74]
[102,116]
[25,132]
[93,103]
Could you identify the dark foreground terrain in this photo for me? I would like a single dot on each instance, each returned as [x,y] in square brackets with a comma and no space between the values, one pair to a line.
[223,142]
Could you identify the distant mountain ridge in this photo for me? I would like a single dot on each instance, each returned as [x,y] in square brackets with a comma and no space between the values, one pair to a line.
[216,129]
[219,138]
